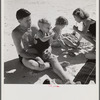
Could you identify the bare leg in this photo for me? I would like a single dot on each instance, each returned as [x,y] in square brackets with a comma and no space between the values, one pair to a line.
[57,68]
[64,64]
[34,65]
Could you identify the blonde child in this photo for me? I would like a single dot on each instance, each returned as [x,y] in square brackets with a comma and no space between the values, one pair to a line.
[43,37]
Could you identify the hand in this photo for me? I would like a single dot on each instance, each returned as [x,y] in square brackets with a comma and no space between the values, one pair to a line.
[74,33]
[41,62]
[75,28]
[71,82]
[35,37]
[46,54]
[53,58]
[52,34]
[48,50]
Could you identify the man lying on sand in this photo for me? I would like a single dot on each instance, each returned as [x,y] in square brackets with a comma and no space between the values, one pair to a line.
[23,37]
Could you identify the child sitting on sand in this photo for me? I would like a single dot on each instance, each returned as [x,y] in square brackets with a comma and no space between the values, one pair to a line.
[58,38]
[42,41]
[57,41]
[42,38]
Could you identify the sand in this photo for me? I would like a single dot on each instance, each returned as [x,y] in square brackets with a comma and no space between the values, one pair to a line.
[15,73]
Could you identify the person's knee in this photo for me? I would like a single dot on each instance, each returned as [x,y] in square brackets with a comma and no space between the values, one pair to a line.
[34,65]
[30,64]
[53,58]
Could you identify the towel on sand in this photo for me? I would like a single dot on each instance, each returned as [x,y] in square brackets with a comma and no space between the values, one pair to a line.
[87,72]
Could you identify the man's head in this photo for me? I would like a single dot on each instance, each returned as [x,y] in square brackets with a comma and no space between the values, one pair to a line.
[23,17]
[61,22]
[44,25]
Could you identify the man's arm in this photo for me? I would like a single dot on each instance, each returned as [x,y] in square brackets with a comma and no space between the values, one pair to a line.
[19,47]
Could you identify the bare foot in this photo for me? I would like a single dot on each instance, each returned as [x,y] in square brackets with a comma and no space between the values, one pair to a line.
[64,64]
[41,62]
[57,81]
[71,82]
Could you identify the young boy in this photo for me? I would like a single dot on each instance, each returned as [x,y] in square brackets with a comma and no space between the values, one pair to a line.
[58,38]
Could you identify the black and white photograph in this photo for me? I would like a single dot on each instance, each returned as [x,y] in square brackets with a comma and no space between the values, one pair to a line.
[50,43]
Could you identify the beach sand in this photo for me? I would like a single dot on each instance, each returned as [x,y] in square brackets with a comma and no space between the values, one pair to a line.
[16,73]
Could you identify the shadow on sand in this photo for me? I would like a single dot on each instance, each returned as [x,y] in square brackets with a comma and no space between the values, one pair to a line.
[16,73]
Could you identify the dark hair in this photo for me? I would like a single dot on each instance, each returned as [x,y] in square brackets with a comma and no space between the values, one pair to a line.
[61,21]
[22,13]
[80,13]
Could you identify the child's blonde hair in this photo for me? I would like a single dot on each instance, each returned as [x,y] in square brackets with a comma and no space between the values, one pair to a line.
[43,21]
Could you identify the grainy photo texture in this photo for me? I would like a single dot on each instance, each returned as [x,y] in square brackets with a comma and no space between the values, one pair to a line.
[49,42]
